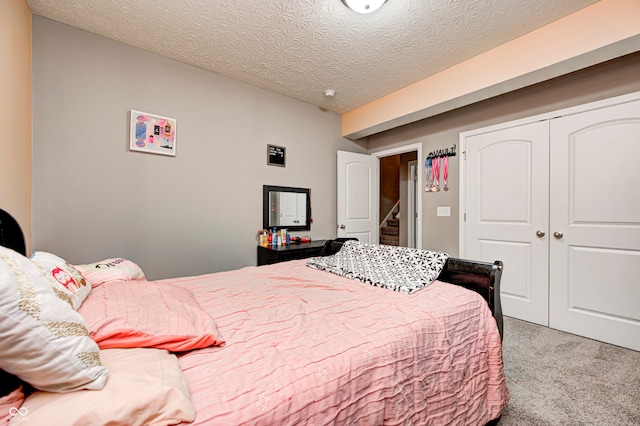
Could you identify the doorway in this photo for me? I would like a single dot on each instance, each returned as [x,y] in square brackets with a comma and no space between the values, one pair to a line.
[358,206]
[400,200]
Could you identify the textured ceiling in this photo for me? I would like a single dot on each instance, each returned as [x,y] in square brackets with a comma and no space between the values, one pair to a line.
[299,48]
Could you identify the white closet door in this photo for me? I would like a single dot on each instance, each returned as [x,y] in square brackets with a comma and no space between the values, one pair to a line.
[358,183]
[507,213]
[595,216]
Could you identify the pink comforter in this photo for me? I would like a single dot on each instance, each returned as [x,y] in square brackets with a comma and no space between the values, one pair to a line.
[306,347]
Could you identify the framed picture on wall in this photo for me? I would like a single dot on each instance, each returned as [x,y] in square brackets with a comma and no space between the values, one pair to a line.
[276,155]
[152,133]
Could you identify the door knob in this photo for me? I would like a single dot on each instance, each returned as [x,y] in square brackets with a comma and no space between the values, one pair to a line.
[558,235]
[343,227]
[540,234]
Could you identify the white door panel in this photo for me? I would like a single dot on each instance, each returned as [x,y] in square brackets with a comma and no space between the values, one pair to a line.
[357,196]
[593,289]
[517,285]
[506,199]
[595,205]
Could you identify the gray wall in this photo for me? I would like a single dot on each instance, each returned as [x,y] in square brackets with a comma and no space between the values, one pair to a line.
[194,213]
[603,81]
[199,212]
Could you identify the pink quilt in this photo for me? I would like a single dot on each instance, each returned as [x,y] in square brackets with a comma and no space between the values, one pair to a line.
[305,346]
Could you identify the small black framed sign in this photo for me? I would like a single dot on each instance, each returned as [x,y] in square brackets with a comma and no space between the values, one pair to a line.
[276,155]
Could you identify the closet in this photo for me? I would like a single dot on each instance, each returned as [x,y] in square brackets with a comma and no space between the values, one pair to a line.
[557,199]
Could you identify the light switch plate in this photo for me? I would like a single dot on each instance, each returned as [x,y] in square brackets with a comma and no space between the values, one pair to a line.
[443,211]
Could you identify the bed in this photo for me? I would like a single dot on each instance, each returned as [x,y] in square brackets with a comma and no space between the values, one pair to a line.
[283,344]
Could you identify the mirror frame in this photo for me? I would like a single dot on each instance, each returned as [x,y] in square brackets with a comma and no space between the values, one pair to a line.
[266,189]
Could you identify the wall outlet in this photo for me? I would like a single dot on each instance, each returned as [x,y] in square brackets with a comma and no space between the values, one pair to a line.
[443,211]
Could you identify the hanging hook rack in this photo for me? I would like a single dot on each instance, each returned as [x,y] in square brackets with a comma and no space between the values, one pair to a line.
[446,152]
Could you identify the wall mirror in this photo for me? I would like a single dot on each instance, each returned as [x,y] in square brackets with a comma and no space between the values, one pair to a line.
[286,207]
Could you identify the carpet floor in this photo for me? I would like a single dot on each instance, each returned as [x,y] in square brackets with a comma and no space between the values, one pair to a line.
[557,378]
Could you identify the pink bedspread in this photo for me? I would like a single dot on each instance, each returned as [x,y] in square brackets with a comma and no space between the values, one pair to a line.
[306,347]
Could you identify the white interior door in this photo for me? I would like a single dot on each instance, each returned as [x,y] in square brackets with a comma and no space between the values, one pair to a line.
[358,196]
[595,209]
[507,210]
[288,208]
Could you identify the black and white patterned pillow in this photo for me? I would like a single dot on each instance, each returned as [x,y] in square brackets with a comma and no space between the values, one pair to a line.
[396,268]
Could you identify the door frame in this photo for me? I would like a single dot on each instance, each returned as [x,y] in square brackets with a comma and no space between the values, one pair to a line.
[401,150]
[462,249]
[412,193]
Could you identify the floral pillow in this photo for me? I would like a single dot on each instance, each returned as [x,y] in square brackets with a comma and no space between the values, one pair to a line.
[110,270]
[44,341]
[68,282]
[401,269]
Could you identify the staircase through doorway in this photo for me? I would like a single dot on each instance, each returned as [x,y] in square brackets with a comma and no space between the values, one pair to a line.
[390,232]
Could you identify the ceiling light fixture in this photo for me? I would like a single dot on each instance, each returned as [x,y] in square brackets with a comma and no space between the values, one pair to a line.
[364,6]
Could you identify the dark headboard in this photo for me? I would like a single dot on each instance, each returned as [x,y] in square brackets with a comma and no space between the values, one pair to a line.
[334,246]
[11,235]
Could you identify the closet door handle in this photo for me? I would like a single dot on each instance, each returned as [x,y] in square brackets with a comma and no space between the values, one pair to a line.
[558,235]
[540,234]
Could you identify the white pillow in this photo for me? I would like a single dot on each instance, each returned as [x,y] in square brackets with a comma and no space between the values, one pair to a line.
[44,341]
[145,387]
[68,282]
[110,270]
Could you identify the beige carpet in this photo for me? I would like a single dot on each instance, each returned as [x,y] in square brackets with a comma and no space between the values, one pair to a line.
[557,378]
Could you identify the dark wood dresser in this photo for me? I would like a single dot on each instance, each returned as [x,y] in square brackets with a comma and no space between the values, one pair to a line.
[270,254]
